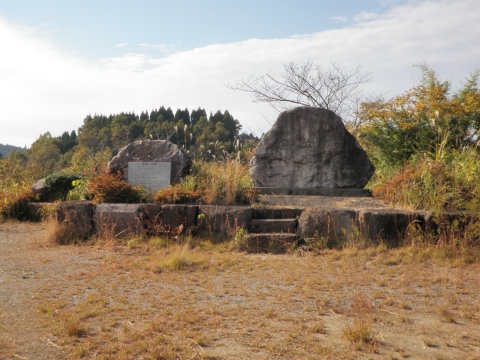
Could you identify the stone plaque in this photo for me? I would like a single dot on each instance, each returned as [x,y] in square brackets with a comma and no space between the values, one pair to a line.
[151,175]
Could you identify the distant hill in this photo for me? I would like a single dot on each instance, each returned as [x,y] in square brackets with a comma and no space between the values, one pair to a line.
[5,149]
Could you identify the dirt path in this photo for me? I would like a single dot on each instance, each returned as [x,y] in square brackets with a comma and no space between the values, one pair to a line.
[74,302]
[20,280]
[30,274]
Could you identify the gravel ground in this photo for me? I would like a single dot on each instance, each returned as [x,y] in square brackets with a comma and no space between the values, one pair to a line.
[232,305]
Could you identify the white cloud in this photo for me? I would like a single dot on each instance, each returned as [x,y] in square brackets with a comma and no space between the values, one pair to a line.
[39,83]
[162,48]
[366,16]
[45,90]
[339,19]
[121,45]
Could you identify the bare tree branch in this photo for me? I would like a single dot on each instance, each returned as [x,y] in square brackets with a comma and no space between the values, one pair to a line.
[334,87]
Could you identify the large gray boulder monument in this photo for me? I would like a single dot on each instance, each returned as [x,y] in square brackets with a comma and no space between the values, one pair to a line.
[152,151]
[309,147]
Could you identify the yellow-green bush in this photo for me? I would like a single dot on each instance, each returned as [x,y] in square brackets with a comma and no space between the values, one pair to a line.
[448,183]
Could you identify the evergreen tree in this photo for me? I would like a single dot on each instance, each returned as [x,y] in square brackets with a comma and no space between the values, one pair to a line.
[167,113]
[232,126]
[73,137]
[144,116]
[183,115]
[218,117]
[197,114]
[95,133]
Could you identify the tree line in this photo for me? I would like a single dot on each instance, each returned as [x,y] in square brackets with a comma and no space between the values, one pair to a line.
[187,130]
[100,137]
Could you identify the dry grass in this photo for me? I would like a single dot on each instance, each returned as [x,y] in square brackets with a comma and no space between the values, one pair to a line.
[360,333]
[200,301]
[3,342]
[75,328]
[180,258]
[221,182]
[60,233]
[228,305]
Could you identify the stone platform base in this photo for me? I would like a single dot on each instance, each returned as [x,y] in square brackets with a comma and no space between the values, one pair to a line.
[313,191]
[276,225]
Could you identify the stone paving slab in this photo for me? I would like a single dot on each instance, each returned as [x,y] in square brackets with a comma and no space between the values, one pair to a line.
[313,191]
[324,202]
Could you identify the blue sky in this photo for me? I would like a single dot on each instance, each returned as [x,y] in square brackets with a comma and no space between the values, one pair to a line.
[63,60]
[105,28]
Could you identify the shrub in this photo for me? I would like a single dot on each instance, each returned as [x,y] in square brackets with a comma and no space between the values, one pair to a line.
[111,188]
[177,194]
[58,185]
[17,206]
[79,191]
[425,119]
[451,183]
[15,192]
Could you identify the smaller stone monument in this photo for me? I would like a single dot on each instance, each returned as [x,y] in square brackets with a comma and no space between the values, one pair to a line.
[154,164]
[310,148]
[152,175]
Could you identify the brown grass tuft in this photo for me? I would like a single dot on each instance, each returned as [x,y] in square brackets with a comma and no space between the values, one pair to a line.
[75,328]
[181,258]
[360,333]
[63,233]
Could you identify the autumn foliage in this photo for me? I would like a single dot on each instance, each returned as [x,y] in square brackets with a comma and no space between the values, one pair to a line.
[177,194]
[421,121]
[111,188]
[424,145]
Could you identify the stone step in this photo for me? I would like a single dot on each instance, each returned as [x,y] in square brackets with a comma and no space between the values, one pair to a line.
[276,243]
[273,226]
[276,213]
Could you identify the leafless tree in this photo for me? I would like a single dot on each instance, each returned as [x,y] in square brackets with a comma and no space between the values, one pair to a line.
[335,87]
